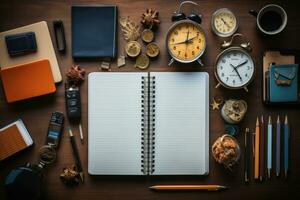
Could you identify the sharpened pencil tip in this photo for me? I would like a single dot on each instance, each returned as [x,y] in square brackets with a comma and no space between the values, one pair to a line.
[257,122]
[223,187]
[81,176]
[270,119]
[286,119]
[70,132]
[278,119]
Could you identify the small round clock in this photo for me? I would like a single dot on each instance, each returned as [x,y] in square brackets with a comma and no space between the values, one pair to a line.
[234,66]
[224,22]
[186,42]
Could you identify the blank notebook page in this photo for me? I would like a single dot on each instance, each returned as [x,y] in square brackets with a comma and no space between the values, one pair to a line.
[182,123]
[114,112]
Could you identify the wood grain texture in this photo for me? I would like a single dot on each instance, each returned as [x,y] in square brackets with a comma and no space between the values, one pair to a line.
[36,112]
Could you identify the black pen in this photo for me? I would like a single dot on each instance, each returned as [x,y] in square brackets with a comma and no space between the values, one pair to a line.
[247,154]
[76,154]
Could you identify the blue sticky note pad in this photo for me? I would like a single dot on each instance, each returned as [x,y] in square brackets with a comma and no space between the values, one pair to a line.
[284,93]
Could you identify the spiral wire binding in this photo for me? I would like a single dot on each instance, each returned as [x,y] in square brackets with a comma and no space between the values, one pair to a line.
[148,125]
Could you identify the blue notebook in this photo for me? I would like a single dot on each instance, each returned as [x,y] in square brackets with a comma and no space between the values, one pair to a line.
[94,31]
[284,83]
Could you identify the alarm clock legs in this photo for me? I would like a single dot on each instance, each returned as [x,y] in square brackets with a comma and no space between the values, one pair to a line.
[171,62]
[200,62]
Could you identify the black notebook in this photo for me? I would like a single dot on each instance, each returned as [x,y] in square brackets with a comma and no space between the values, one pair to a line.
[94,31]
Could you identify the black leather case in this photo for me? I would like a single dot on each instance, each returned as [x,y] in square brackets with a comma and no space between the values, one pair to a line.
[21,43]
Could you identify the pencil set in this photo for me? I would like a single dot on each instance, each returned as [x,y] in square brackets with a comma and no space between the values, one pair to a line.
[263,149]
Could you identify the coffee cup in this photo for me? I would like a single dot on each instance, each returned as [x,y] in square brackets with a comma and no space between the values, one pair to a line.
[271,19]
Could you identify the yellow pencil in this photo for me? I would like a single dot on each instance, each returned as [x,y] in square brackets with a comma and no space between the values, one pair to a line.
[188,187]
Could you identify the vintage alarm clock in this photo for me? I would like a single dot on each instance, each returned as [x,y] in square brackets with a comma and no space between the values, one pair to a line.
[234,66]
[185,39]
[224,22]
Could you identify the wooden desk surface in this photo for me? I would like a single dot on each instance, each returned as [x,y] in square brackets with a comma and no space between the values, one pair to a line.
[36,112]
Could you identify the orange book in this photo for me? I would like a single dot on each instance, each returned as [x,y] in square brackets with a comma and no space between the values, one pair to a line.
[14,138]
[27,80]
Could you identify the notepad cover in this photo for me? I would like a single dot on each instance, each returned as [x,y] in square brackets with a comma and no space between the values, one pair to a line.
[13,138]
[45,49]
[28,80]
[94,31]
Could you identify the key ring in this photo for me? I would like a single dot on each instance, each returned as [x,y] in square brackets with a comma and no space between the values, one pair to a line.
[47,155]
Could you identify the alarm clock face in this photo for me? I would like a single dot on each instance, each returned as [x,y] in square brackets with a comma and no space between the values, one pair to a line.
[224,22]
[234,68]
[186,41]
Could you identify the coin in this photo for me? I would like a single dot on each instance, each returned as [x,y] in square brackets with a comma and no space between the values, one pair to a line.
[133,48]
[147,35]
[142,61]
[152,50]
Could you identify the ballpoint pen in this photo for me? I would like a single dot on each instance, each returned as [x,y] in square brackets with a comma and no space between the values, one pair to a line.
[247,154]
[76,154]
[278,127]
[269,156]
[256,158]
[286,146]
[262,151]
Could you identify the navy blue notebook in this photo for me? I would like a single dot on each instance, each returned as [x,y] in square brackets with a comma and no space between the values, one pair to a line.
[94,31]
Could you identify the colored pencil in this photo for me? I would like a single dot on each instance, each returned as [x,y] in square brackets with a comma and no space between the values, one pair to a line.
[188,187]
[269,156]
[286,146]
[262,152]
[278,127]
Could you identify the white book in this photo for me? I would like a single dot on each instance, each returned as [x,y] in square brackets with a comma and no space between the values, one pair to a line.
[148,123]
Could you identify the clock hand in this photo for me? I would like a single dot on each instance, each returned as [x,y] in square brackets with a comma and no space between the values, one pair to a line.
[225,22]
[236,72]
[241,64]
[189,40]
[187,35]
[183,42]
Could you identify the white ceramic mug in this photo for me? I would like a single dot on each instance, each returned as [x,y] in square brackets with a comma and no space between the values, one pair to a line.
[262,13]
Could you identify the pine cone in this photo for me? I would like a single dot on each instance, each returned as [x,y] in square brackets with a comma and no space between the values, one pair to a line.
[150,18]
[75,75]
[70,176]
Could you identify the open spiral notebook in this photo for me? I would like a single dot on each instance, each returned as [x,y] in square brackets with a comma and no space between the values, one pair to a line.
[148,123]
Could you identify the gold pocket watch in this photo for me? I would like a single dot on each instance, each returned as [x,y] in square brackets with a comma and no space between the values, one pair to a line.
[224,22]
[234,67]
[185,39]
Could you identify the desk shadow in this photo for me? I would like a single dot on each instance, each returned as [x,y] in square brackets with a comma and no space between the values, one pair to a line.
[148,178]
[33,103]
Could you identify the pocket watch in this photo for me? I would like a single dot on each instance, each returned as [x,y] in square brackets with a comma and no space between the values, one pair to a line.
[234,66]
[224,22]
[185,39]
